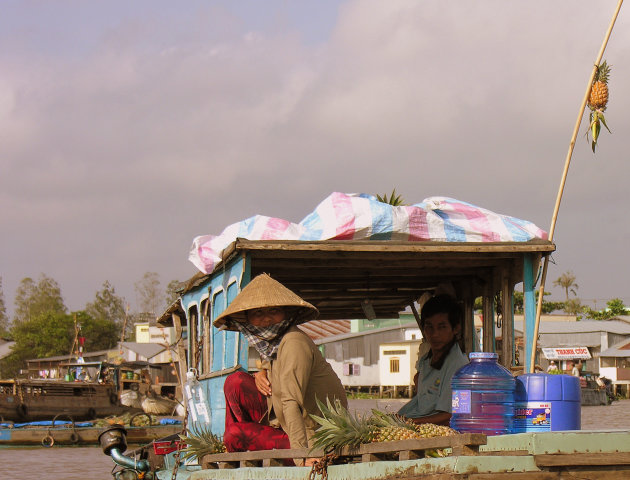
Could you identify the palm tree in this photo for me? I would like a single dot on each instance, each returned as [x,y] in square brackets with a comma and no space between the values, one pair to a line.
[567,282]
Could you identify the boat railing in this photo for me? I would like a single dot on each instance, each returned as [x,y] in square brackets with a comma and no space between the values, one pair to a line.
[461,444]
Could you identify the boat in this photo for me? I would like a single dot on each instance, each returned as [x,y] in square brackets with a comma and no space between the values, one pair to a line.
[67,432]
[342,278]
[96,396]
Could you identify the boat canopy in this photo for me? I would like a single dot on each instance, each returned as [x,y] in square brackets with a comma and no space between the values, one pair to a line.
[339,276]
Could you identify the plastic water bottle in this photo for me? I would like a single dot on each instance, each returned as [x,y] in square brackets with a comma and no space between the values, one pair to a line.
[196,399]
[483,396]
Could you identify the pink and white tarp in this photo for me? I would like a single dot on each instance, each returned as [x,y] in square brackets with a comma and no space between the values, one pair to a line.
[362,217]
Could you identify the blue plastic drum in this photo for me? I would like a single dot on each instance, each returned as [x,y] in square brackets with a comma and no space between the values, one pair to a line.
[547,402]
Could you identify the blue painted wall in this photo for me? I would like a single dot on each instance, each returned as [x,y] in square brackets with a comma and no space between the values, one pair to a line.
[227,349]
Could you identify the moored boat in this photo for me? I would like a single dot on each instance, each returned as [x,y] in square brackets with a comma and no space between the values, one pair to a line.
[51,433]
[97,395]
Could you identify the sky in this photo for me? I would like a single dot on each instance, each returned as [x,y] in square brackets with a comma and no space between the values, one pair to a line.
[129,128]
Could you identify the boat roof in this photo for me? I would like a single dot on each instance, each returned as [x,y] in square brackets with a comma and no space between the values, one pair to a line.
[336,275]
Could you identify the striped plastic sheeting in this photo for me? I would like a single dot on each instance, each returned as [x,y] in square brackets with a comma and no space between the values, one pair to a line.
[362,217]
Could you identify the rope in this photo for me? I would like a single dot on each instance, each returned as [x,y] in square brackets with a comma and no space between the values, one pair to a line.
[320,467]
[179,448]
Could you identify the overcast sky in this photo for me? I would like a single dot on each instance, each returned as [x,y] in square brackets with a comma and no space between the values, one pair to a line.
[129,128]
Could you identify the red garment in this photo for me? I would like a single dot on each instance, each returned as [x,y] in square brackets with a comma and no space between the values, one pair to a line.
[245,412]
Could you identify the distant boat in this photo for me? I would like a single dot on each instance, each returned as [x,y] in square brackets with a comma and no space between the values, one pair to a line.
[81,434]
[98,395]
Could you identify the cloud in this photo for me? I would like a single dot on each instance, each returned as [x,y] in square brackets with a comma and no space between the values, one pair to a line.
[123,141]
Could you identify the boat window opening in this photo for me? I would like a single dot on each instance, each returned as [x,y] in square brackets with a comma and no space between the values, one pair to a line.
[232,352]
[205,328]
[193,360]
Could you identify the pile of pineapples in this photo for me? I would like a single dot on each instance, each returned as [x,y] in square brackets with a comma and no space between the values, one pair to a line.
[339,428]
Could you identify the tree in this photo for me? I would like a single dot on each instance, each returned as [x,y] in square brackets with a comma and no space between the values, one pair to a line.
[99,333]
[547,307]
[615,307]
[148,291]
[172,289]
[567,282]
[34,299]
[4,320]
[51,334]
[107,306]
[573,306]
[518,300]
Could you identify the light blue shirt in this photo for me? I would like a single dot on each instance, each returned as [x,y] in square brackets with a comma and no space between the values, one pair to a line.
[434,386]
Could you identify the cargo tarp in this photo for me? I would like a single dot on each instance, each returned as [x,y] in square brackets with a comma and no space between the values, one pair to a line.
[362,217]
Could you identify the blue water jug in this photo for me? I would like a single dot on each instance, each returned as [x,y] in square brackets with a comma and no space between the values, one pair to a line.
[483,396]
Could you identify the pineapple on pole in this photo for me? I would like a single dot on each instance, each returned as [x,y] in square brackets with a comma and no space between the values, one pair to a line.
[563,180]
[597,102]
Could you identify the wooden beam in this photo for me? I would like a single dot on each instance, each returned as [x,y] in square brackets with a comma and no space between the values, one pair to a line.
[180,349]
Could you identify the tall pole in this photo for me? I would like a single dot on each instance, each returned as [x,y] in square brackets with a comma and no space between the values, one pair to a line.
[564,179]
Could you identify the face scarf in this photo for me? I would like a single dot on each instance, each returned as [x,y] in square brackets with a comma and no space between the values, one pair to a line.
[265,340]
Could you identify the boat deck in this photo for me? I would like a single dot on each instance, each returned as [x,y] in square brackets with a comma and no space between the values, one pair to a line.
[525,456]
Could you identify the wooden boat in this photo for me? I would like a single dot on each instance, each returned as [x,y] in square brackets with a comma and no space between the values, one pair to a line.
[23,400]
[338,277]
[84,436]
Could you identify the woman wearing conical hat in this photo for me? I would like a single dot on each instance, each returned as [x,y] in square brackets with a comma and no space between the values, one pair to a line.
[294,372]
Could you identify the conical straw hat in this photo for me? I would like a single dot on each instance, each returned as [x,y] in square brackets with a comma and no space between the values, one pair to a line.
[264,291]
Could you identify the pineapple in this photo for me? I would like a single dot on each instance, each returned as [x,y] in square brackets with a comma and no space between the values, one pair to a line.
[200,442]
[598,99]
[597,102]
[339,428]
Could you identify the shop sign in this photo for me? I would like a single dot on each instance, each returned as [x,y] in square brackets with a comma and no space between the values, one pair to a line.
[567,353]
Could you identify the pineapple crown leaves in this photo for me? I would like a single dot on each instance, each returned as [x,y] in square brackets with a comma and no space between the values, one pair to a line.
[201,441]
[603,72]
[338,427]
[394,200]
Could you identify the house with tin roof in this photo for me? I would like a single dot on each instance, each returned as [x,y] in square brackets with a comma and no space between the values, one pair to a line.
[569,342]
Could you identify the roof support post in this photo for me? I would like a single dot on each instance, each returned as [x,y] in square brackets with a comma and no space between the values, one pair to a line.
[488,320]
[507,328]
[469,321]
[529,308]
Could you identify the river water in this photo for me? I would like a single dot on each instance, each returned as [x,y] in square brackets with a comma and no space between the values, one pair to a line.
[57,463]
[89,463]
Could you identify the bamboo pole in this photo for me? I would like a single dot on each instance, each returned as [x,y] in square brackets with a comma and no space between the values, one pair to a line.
[564,178]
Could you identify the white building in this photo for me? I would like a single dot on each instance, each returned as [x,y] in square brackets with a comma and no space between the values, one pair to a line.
[397,364]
